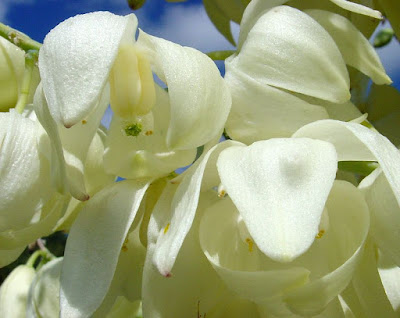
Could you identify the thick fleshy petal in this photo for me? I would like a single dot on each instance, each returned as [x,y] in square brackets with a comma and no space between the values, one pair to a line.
[194,287]
[304,58]
[366,288]
[14,292]
[12,62]
[147,154]
[262,111]
[237,262]
[24,170]
[199,98]
[385,213]
[9,256]
[94,245]
[334,258]
[184,206]
[355,48]
[80,46]
[358,8]
[49,215]
[68,155]
[390,276]
[280,187]
[43,297]
[354,142]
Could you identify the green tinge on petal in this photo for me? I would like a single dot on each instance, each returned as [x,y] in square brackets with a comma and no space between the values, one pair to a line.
[50,213]
[12,62]
[299,56]
[280,187]
[199,98]
[8,256]
[94,245]
[14,292]
[355,48]
[77,46]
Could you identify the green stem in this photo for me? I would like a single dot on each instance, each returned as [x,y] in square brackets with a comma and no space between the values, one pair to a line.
[18,38]
[32,260]
[220,55]
[30,62]
[363,168]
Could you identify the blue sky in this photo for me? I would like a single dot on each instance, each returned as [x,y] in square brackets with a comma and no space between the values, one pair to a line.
[184,23]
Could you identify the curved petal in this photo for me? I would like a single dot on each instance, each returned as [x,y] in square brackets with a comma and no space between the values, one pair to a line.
[199,99]
[385,213]
[304,58]
[280,187]
[9,256]
[355,48]
[14,292]
[237,263]
[183,207]
[24,171]
[147,154]
[77,46]
[49,215]
[43,297]
[356,142]
[94,245]
[12,62]
[262,111]
[194,286]
[358,8]
[340,248]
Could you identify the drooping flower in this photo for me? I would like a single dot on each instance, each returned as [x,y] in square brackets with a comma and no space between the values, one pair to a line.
[298,75]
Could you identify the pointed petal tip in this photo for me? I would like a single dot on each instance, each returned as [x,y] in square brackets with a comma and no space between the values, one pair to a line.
[167,275]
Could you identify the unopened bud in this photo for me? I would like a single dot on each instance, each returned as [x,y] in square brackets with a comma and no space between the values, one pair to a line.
[383,37]
[135,4]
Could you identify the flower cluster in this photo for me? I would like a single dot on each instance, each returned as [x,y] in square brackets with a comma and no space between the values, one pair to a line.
[296,213]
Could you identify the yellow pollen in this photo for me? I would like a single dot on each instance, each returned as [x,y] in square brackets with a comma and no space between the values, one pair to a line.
[84,122]
[148,133]
[221,194]
[166,228]
[250,242]
[320,234]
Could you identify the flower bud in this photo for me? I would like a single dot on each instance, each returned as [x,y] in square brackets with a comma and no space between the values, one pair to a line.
[14,292]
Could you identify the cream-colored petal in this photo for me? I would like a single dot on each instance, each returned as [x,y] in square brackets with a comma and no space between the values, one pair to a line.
[280,187]
[262,111]
[237,261]
[24,171]
[358,8]
[199,98]
[147,154]
[183,207]
[94,245]
[299,55]
[12,62]
[338,254]
[8,256]
[85,44]
[193,288]
[43,297]
[14,292]
[355,48]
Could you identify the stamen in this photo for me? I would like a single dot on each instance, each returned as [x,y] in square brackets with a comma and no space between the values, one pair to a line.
[166,228]
[250,242]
